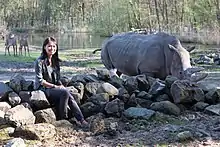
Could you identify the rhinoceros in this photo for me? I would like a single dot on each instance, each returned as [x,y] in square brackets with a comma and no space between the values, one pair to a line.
[157,55]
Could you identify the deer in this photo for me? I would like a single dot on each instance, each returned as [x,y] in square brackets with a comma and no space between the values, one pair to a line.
[11,41]
[24,44]
[3,32]
[2,36]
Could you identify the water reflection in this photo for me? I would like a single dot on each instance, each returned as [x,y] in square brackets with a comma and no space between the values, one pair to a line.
[87,40]
[69,40]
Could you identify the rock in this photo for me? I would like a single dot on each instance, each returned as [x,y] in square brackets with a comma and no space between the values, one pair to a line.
[4,106]
[15,142]
[38,100]
[97,124]
[89,109]
[39,131]
[45,116]
[4,91]
[166,107]
[16,82]
[114,108]
[19,115]
[170,80]
[103,74]
[157,88]
[123,95]
[91,78]
[78,78]
[132,101]
[116,81]
[213,109]
[99,99]
[112,129]
[91,88]
[144,103]
[142,113]
[184,136]
[80,87]
[163,97]
[131,84]
[2,120]
[107,88]
[143,84]
[200,106]
[183,92]
[65,81]
[27,85]
[212,97]
[14,99]
[144,95]
[25,96]
[203,59]
[72,89]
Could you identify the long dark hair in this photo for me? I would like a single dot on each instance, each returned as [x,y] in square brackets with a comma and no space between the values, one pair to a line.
[55,58]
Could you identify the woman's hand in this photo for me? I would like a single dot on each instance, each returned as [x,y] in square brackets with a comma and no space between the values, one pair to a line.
[60,86]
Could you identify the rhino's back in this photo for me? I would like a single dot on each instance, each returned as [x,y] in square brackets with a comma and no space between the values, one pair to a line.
[133,53]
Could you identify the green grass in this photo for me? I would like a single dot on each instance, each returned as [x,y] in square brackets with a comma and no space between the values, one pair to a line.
[65,55]
[18,58]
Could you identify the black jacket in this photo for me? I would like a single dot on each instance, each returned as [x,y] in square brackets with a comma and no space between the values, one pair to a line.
[44,72]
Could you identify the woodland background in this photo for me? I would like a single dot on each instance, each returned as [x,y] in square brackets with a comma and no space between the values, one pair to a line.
[112,16]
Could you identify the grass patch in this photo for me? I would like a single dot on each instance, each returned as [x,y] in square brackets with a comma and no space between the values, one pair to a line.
[65,55]
[17,58]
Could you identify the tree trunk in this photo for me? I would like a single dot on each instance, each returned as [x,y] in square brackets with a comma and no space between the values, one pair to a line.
[166,14]
[157,13]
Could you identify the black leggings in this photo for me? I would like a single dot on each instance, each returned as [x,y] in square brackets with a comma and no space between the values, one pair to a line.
[62,99]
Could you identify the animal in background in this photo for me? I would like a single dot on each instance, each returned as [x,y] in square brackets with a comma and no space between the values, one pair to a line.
[11,40]
[157,55]
[24,44]
[3,32]
[2,36]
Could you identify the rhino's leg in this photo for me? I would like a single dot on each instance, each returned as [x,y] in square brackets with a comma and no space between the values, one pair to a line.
[148,74]
[118,73]
[113,72]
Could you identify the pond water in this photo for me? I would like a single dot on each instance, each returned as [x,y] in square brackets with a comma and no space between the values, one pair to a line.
[88,40]
[69,40]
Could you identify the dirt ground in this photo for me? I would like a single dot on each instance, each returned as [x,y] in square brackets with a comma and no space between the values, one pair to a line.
[130,133]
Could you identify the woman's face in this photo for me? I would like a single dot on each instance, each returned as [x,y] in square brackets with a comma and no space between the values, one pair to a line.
[51,48]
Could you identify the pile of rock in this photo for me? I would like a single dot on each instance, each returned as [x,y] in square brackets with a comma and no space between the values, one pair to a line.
[31,116]
[209,59]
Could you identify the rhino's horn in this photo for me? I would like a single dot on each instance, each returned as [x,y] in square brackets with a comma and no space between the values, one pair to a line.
[195,69]
[198,78]
[195,78]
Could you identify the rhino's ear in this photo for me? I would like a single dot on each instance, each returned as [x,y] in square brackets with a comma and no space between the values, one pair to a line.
[172,47]
[191,48]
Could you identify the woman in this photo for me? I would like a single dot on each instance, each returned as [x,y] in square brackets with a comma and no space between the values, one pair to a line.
[47,79]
